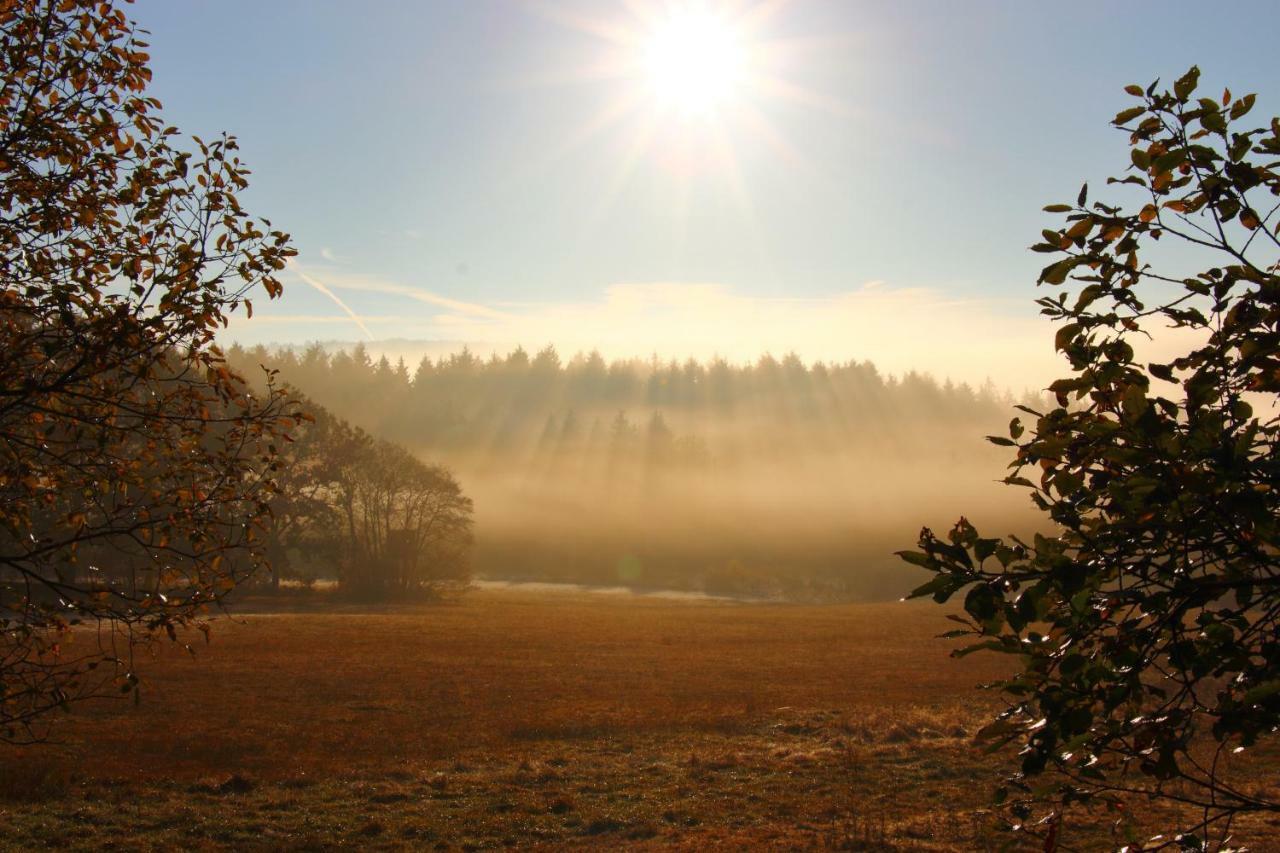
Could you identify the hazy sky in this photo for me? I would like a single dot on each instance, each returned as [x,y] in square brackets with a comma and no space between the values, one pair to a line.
[861,181]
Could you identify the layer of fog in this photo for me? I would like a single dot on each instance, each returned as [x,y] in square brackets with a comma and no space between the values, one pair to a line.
[772,479]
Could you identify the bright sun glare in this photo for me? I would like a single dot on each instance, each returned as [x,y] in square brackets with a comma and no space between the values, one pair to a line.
[695,85]
[694,60]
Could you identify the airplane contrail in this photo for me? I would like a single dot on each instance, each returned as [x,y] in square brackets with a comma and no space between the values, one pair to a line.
[426,296]
[336,301]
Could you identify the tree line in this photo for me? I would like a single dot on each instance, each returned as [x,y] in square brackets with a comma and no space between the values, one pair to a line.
[661,410]
[364,511]
[775,477]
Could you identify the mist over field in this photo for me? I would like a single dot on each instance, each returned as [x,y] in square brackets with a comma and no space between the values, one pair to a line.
[638,425]
[775,478]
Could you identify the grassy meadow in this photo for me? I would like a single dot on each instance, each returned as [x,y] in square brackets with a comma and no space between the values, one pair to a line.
[534,719]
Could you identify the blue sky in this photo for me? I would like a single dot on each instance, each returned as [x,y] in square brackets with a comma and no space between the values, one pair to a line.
[435,164]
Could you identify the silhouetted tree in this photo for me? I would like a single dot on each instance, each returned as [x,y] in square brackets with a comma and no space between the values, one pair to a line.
[407,525]
[304,520]
[368,511]
[133,462]
[1148,625]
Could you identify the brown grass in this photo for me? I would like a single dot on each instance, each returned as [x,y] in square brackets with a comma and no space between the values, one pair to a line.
[519,719]
[282,695]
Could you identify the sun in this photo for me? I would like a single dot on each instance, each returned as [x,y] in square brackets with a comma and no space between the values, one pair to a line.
[694,61]
[689,91]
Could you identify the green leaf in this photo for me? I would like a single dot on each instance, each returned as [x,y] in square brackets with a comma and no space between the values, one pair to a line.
[940,587]
[984,548]
[1186,84]
[1126,116]
[1066,335]
[1168,161]
[1262,691]
[1242,106]
[917,558]
[985,645]
[982,603]
[1134,402]
[1239,148]
[1057,273]
[1214,122]
[1087,297]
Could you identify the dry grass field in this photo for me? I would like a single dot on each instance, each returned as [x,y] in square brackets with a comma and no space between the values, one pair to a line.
[542,720]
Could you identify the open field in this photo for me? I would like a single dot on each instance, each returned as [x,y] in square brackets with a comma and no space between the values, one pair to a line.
[515,718]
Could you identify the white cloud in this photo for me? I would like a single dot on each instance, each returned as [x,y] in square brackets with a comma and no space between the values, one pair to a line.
[897,328]
[372,284]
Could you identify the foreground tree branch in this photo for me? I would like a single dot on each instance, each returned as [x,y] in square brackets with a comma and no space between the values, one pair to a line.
[133,462]
[1147,625]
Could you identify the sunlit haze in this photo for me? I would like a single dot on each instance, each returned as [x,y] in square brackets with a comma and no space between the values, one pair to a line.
[685,177]
[620,425]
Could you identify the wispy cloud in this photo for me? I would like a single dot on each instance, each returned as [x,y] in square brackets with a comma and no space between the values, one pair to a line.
[340,280]
[320,286]
[241,323]
[897,328]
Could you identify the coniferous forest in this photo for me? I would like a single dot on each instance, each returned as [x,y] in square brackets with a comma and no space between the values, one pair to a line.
[776,478]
